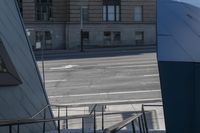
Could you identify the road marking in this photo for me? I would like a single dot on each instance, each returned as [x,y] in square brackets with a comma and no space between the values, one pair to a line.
[51,81]
[151,75]
[109,93]
[116,102]
[63,67]
[146,83]
[134,66]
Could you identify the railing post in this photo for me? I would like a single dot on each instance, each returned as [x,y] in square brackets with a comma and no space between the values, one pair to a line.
[10,128]
[143,126]
[18,128]
[145,120]
[133,127]
[83,125]
[44,124]
[58,126]
[58,112]
[139,122]
[58,119]
[66,125]
[102,117]
[95,120]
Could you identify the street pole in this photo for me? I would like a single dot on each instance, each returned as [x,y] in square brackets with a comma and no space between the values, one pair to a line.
[81,26]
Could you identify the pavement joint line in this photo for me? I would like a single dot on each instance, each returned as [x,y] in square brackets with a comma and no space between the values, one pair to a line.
[109,93]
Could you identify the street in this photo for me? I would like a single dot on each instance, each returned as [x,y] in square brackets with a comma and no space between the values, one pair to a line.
[108,79]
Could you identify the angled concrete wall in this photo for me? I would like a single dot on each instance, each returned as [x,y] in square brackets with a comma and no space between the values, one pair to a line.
[26,99]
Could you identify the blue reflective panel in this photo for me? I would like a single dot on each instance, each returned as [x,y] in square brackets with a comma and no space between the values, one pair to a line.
[178,30]
[192,2]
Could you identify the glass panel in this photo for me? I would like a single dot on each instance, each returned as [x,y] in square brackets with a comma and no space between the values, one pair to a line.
[111,13]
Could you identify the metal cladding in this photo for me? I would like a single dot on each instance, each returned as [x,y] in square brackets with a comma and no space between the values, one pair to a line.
[28,97]
[178,30]
[178,37]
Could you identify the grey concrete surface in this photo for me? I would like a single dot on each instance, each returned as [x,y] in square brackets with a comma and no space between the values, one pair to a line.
[129,77]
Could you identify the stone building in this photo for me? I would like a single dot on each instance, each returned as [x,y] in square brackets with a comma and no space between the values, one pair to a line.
[56,24]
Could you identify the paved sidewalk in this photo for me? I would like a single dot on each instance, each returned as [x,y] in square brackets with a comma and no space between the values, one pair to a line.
[95,52]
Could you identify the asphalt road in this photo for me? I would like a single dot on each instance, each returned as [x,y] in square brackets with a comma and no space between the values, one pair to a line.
[108,79]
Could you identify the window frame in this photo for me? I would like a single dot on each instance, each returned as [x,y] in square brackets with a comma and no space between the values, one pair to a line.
[40,6]
[116,5]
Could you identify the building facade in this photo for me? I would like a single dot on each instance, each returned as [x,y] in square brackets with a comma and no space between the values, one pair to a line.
[56,24]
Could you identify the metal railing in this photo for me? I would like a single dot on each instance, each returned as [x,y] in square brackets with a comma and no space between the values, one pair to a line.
[44,120]
[138,118]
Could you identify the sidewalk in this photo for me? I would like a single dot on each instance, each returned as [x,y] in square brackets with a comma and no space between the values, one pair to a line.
[95,52]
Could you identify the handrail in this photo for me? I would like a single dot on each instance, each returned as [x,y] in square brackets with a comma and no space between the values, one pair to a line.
[115,128]
[93,109]
[40,111]
[31,121]
[45,107]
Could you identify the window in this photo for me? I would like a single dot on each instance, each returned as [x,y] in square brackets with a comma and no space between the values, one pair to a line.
[107,37]
[139,37]
[43,40]
[86,36]
[113,37]
[85,14]
[2,66]
[8,74]
[20,6]
[44,10]
[111,10]
[138,13]
[116,36]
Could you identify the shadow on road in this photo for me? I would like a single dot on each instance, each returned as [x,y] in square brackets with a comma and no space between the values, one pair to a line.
[63,54]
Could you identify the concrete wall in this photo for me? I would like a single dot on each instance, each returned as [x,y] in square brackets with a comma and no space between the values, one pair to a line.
[28,98]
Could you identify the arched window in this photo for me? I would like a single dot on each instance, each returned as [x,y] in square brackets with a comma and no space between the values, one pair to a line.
[8,73]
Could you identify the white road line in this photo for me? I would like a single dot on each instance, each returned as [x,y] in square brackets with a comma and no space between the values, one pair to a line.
[146,83]
[52,81]
[133,66]
[127,63]
[115,101]
[63,67]
[151,75]
[109,93]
